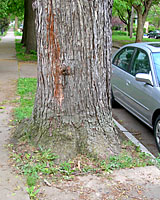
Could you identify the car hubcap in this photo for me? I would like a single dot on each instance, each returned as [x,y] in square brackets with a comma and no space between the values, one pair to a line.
[158,133]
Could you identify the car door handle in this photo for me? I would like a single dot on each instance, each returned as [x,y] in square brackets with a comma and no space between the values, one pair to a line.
[128,82]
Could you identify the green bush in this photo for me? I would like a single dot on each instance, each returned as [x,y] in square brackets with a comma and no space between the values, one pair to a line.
[151,28]
[119,33]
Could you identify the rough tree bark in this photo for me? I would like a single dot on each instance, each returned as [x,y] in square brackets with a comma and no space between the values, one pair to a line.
[74,65]
[29,31]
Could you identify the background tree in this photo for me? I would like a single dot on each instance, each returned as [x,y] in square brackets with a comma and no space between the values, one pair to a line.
[29,30]
[124,11]
[23,10]
[72,111]
[154,16]
[16,11]
[142,8]
[4,20]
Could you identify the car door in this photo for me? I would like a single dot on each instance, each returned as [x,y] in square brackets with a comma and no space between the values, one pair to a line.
[120,67]
[140,93]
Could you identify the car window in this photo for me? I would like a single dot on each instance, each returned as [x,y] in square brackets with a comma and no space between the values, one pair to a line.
[141,63]
[123,58]
[156,59]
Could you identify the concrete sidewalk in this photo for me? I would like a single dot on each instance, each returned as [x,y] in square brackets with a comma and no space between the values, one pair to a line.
[12,187]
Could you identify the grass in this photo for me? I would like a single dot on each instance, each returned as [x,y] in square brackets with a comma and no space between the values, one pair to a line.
[26,88]
[38,165]
[21,53]
[122,40]
[17,33]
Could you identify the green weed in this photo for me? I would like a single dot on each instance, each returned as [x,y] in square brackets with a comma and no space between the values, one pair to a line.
[126,160]
[32,191]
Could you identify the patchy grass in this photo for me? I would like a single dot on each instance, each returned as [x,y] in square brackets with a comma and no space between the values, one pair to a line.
[17,33]
[21,53]
[122,40]
[39,166]
[26,88]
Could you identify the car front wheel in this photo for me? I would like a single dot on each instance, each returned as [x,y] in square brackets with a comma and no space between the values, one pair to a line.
[157,132]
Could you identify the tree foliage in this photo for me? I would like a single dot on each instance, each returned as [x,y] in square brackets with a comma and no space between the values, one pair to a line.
[154,16]
[16,8]
[121,8]
[3,8]
[142,8]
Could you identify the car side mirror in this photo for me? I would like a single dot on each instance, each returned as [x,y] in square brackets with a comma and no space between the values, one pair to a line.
[146,78]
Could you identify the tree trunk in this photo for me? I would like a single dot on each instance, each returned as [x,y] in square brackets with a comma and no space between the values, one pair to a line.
[131,24]
[142,12]
[140,25]
[74,66]
[16,23]
[129,21]
[29,32]
[24,36]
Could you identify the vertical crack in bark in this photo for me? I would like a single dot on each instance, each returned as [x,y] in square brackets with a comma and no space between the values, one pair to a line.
[54,56]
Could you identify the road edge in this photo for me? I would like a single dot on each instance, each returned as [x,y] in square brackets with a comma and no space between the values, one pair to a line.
[133,139]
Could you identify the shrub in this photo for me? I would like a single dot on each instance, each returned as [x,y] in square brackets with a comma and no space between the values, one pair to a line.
[119,33]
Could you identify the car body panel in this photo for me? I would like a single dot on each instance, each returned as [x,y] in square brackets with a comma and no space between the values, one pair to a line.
[139,98]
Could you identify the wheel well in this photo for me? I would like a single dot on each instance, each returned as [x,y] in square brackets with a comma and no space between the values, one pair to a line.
[155,115]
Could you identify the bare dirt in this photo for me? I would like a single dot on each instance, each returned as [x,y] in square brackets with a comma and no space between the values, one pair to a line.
[133,184]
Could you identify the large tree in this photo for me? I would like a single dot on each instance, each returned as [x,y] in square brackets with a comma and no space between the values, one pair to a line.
[72,111]
[142,8]
[29,31]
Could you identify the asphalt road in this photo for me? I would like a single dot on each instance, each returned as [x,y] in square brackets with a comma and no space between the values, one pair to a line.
[142,132]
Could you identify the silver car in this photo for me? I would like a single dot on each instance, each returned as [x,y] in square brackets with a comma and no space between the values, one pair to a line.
[136,82]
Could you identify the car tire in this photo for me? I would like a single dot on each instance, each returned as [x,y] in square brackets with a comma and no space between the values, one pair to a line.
[113,101]
[157,132]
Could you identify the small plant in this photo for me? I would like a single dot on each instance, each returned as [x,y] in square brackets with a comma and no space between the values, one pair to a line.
[65,168]
[124,160]
[31,180]
[32,191]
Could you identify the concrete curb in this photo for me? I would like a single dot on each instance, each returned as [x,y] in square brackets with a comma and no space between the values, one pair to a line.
[133,139]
